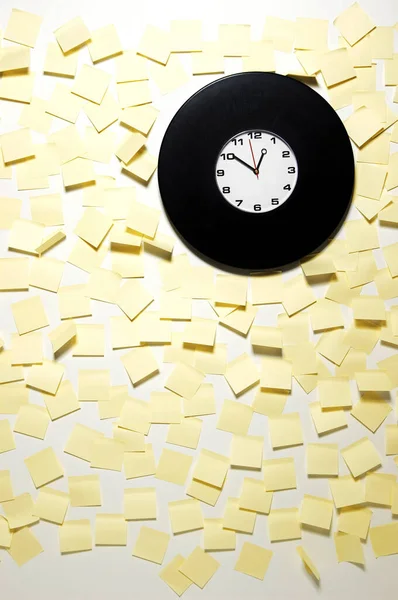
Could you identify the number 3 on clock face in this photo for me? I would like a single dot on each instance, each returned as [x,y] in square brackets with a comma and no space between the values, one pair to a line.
[256,171]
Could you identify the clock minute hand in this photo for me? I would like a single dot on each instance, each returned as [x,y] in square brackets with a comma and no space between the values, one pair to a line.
[244,163]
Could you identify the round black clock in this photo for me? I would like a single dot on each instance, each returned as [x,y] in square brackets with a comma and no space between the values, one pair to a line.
[256,171]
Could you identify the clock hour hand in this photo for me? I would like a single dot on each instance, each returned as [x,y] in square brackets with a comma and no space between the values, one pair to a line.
[244,163]
[263,153]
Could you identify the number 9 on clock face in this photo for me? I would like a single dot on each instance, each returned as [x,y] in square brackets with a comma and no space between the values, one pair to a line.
[256,171]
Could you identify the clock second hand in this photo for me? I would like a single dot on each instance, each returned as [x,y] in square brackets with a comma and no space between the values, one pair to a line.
[254,161]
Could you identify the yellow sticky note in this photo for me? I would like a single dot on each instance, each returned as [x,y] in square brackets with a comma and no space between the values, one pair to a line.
[26,349]
[285,430]
[63,104]
[391,437]
[78,172]
[165,407]
[280,31]
[84,490]
[7,442]
[242,373]
[279,474]
[93,226]
[199,567]
[81,441]
[25,236]
[297,295]
[333,346]
[90,340]
[5,533]
[44,467]
[51,505]
[203,492]
[139,464]
[91,84]
[247,451]
[254,496]
[334,393]
[45,377]
[384,539]
[136,416]
[104,43]
[276,373]
[186,433]
[266,337]
[348,548]
[185,36]
[184,380]
[174,578]
[326,314]
[202,403]
[216,538]
[6,492]
[284,524]
[130,67]
[355,521]
[110,530]
[107,454]
[19,511]
[231,289]
[373,381]
[17,145]
[173,467]
[346,491]
[363,125]
[140,504]
[234,39]
[24,546]
[58,63]
[17,86]
[141,118]
[269,402]
[46,273]
[354,23]
[379,488]
[235,417]
[361,456]
[371,411]
[151,545]
[72,34]
[238,519]
[253,560]
[155,44]
[209,61]
[316,512]
[140,364]
[142,166]
[75,536]
[93,385]
[133,298]
[23,28]
[390,256]
[322,460]
[62,336]
[211,468]
[32,420]
[185,515]
[308,563]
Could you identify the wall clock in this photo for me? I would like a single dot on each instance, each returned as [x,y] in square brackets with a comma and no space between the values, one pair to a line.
[256,171]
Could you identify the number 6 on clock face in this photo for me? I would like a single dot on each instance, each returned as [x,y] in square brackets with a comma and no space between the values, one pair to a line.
[256,171]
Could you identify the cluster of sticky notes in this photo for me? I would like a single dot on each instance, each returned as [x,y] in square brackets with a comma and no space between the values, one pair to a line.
[201,322]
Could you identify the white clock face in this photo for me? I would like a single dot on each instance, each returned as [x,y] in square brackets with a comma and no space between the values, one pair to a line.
[256,171]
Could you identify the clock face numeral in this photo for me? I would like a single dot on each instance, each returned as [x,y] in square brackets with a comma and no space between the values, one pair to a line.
[256,171]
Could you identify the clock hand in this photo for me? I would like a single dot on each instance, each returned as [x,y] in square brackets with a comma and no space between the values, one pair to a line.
[263,153]
[254,161]
[243,162]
